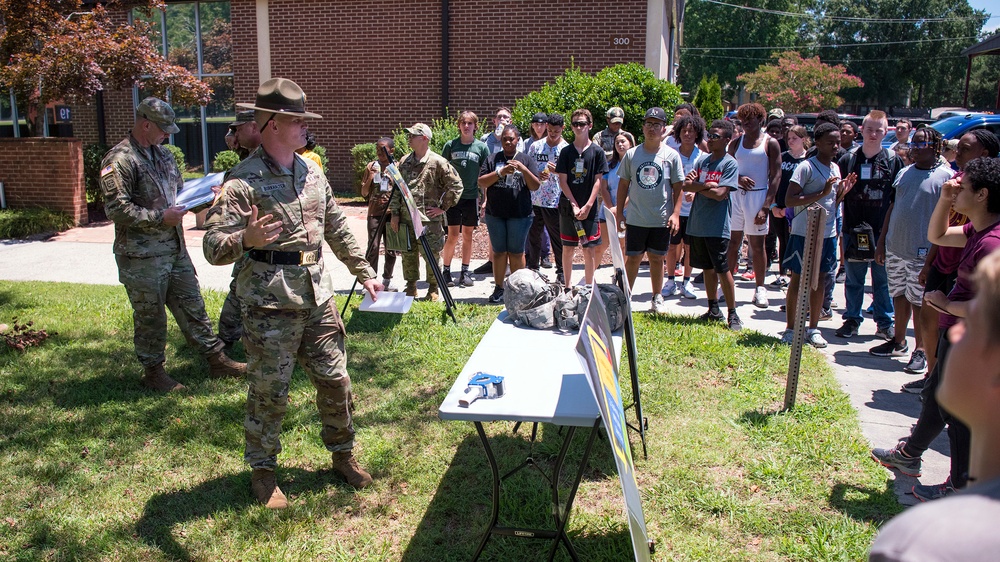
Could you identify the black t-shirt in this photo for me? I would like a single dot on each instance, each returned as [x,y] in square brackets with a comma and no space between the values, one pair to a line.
[509,197]
[582,170]
[788,165]
[869,199]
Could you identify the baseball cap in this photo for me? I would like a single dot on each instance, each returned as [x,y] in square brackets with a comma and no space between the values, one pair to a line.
[160,113]
[776,113]
[951,144]
[616,115]
[656,113]
[420,129]
[540,118]
[242,117]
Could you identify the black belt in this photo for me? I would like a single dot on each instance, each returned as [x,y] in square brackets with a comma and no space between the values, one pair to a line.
[284,258]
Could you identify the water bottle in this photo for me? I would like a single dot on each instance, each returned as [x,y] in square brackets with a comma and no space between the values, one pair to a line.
[580,232]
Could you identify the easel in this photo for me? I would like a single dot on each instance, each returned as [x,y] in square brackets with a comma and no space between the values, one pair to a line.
[400,184]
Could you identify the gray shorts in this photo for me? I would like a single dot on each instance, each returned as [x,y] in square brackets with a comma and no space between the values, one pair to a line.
[903,274]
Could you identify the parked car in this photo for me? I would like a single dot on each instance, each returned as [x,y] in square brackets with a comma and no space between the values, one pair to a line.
[956,126]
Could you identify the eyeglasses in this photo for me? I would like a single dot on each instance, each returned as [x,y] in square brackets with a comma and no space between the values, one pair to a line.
[653,124]
[580,123]
[713,136]
[919,145]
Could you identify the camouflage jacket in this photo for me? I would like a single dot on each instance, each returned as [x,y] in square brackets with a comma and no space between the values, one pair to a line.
[433,182]
[303,201]
[137,189]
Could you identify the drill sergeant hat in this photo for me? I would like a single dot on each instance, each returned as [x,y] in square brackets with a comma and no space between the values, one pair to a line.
[279,95]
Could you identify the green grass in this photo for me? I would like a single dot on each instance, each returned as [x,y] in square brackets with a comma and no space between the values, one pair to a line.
[96,468]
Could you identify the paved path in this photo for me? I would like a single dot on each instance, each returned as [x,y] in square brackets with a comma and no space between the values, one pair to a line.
[83,255]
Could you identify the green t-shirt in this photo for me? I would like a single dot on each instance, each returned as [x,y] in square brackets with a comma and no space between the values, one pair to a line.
[467,158]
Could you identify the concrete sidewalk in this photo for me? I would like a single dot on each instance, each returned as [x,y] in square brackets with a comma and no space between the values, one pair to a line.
[84,255]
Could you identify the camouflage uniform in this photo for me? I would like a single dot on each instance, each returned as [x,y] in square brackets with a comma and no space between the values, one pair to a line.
[433,182]
[231,315]
[288,312]
[153,263]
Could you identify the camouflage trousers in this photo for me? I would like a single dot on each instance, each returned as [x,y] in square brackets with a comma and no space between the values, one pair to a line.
[434,232]
[274,340]
[231,316]
[159,283]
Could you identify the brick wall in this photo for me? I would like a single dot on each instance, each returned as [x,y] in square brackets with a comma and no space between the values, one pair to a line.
[54,182]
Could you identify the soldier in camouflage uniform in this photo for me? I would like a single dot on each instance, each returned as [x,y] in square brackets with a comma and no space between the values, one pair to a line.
[277,208]
[436,187]
[140,181]
[230,318]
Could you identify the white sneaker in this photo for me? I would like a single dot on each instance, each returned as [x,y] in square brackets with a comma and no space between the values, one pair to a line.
[670,288]
[815,339]
[760,297]
[658,306]
[688,290]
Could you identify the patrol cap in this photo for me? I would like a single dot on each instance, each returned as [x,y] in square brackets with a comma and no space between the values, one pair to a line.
[280,95]
[160,113]
[540,118]
[776,113]
[242,118]
[616,115]
[656,113]
[420,130]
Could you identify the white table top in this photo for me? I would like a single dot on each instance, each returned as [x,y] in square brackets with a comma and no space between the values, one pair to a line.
[542,374]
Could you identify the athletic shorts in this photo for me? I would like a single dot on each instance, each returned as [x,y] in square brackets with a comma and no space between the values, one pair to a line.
[709,253]
[745,205]
[681,235]
[797,249]
[642,239]
[938,281]
[464,213]
[903,277]
[568,235]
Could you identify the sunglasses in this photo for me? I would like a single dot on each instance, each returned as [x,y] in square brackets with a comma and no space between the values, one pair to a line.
[919,145]
[580,123]
[714,136]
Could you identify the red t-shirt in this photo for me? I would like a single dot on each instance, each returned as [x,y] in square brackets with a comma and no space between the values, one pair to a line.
[978,246]
[948,258]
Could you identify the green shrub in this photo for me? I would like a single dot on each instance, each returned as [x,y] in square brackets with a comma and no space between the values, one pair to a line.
[93,154]
[21,223]
[321,152]
[178,155]
[708,99]
[225,160]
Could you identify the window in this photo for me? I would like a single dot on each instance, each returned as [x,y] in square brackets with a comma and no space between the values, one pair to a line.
[198,39]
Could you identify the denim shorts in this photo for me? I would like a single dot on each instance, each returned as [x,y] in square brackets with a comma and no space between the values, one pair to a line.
[508,235]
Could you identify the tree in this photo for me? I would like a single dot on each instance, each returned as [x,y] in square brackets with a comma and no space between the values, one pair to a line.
[55,50]
[800,85]
[983,83]
[708,99]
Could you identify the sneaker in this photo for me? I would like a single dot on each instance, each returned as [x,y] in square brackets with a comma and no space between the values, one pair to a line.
[841,276]
[826,314]
[760,297]
[779,281]
[670,288]
[449,280]
[700,278]
[734,321]
[887,333]
[658,306]
[712,316]
[546,263]
[560,278]
[914,387]
[465,279]
[870,310]
[815,339]
[933,492]
[387,285]
[485,268]
[894,458]
[497,296]
[787,336]
[849,329]
[687,290]
[679,271]
[748,275]
[890,349]
[917,364]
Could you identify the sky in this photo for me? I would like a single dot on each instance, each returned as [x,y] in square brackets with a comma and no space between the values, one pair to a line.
[991,8]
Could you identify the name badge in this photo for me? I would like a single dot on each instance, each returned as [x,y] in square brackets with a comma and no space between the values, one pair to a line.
[866,172]
[272,187]
[579,166]
[384,184]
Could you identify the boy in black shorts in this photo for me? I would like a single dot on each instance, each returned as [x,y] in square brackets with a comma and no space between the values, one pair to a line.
[580,167]
[715,175]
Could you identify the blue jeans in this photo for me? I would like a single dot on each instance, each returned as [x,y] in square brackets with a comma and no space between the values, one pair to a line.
[854,292]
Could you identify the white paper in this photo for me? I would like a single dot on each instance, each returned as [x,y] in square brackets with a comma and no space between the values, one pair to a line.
[199,191]
[392,302]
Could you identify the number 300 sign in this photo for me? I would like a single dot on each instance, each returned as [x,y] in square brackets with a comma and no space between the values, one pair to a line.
[620,41]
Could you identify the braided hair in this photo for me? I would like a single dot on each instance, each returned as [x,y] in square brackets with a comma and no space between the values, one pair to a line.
[933,136]
[988,140]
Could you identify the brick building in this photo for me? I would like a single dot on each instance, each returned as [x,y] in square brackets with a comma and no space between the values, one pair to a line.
[369,67]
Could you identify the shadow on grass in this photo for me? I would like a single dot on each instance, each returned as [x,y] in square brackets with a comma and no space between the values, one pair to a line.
[866,504]
[457,518]
[371,322]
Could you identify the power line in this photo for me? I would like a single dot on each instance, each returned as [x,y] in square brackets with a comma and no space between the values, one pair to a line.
[846,18]
[835,46]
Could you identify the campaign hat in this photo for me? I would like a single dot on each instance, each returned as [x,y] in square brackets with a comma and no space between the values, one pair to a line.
[280,95]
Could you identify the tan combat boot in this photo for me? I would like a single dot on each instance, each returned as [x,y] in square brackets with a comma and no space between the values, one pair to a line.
[220,366]
[265,489]
[432,294]
[347,466]
[157,379]
[411,288]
